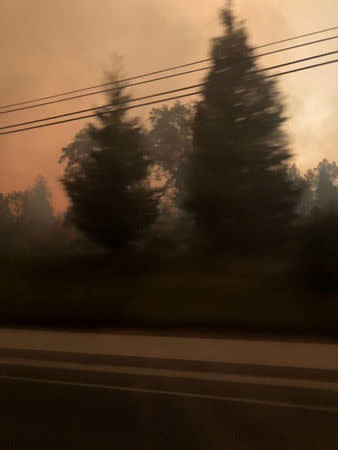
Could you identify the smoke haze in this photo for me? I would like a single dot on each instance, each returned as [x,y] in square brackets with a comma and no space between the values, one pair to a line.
[49,47]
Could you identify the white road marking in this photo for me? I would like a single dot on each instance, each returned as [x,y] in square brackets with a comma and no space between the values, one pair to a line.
[177,394]
[182,374]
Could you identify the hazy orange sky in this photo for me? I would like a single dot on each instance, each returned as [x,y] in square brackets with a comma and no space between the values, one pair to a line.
[48,46]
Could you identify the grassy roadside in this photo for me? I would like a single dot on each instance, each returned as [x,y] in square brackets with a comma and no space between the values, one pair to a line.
[98,291]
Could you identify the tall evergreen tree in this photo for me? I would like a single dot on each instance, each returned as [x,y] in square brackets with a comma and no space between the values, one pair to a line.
[106,179]
[236,184]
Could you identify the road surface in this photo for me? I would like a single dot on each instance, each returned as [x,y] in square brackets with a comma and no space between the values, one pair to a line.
[133,392]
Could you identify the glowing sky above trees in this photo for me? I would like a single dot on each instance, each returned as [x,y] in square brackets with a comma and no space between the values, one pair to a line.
[51,46]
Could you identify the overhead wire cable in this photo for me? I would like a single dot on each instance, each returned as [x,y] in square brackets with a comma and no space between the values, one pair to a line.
[149,74]
[157,101]
[325,30]
[321,55]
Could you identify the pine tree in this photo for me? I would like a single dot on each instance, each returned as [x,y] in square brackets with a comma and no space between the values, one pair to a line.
[236,185]
[106,180]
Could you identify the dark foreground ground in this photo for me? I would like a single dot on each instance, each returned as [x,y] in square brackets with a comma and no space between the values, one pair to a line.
[36,415]
[261,296]
[89,391]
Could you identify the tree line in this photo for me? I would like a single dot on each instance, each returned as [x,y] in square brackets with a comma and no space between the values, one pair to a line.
[223,163]
[25,217]
[212,179]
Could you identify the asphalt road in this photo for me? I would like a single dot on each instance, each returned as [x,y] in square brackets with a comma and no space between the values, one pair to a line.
[61,391]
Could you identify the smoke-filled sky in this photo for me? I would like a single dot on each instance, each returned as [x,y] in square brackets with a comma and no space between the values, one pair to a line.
[50,46]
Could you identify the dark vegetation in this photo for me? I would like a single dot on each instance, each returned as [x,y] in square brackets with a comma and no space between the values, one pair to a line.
[198,219]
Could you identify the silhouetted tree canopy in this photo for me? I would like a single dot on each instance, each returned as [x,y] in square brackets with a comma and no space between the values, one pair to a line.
[322,182]
[302,184]
[25,217]
[6,224]
[319,188]
[169,141]
[106,179]
[317,240]
[37,211]
[236,184]
[170,135]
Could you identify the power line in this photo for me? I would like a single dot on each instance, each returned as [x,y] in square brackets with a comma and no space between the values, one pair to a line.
[297,37]
[101,107]
[106,90]
[103,112]
[169,69]
[321,55]
[304,44]
[158,101]
[155,79]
